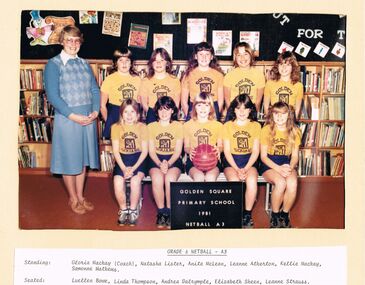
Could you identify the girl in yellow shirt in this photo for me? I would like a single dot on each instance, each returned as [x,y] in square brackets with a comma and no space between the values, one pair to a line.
[130,149]
[280,140]
[202,129]
[165,146]
[241,149]
[121,84]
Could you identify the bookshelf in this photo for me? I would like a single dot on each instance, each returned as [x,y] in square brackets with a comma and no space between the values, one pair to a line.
[321,119]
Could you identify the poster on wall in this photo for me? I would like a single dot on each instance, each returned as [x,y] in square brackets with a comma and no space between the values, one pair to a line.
[222,42]
[163,41]
[196,31]
[171,18]
[112,23]
[253,39]
[88,17]
[138,35]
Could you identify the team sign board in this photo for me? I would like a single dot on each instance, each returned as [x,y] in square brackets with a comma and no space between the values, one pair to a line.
[198,205]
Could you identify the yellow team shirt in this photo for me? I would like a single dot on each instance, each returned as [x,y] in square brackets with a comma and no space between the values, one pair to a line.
[279,145]
[244,81]
[130,137]
[165,137]
[241,138]
[155,88]
[202,133]
[203,81]
[283,91]
[121,87]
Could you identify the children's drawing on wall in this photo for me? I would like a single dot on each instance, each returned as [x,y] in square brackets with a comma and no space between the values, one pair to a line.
[88,17]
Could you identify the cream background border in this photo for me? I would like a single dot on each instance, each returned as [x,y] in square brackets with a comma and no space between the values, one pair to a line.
[353,236]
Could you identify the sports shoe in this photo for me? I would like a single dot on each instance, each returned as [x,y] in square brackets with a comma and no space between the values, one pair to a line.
[123,217]
[133,217]
[167,220]
[247,222]
[160,221]
[285,222]
[275,222]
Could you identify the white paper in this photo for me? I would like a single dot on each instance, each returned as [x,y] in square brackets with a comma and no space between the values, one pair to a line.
[195,266]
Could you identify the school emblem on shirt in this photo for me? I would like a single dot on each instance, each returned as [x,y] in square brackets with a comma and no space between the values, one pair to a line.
[280,150]
[245,89]
[203,140]
[284,97]
[242,143]
[130,144]
[164,144]
[161,94]
[205,87]
[126,94]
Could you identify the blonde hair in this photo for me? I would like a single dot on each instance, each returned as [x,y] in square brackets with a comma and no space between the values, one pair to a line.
[291,128]
[125,104]
[247,48]
[206,97]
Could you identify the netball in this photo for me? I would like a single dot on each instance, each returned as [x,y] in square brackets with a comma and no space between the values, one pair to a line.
[205,158]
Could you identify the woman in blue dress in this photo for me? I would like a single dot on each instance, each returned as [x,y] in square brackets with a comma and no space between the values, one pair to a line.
[72,90]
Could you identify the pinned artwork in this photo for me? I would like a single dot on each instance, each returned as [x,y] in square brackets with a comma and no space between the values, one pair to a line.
[138,35]
[321,49]
[112,24]
[338,50]
[285,47]
[222,42]
[88,17]
[46,31]
[253,39]
[302,49]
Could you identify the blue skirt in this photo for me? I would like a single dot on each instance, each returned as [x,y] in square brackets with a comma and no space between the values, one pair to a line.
[74,146]
[278,159]
[177,163]
[241,161]
[113,117]
[130,160]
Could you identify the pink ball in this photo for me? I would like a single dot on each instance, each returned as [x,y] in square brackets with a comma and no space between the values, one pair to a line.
[205,158]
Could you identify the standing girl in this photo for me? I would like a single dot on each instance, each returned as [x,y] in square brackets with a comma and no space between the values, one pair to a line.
[165,146]
[203,75]
[130,148]
[280,140]
[241,149]
[122,84]
[244,78]
[72,90]
[159,82]
[285,85]
[202,129]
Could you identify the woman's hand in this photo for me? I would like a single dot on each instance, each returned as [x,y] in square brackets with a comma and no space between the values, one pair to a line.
[284,170]
[128,172]
[192,153]
[242,173]
[217,152]
[92,116]
[79,119]
[164,166]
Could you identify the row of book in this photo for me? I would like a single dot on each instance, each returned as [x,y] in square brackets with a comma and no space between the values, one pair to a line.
[35,129]
[324,163]
[31,79]
[311,80]
[332,135]
[26,158]
[309,133]
[331,108]
[106,160]
[35,103]
[334,80]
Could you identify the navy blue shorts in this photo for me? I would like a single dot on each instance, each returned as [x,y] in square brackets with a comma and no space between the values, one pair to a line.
[113,117]
[130,160]
[241,161]
[278,159]
[151,116]
[161,157]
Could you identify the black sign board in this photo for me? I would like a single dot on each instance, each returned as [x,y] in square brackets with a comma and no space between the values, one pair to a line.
[198,205]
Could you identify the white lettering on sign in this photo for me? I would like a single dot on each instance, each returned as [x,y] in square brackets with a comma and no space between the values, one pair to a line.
[284,18]
[309,33]
[340,33]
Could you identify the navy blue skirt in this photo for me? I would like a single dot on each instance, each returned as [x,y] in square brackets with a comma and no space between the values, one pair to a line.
[130,160]
[178,163]
[241,161]
[278,159]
